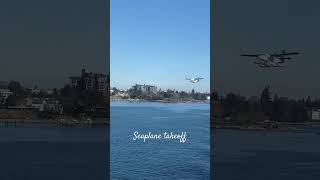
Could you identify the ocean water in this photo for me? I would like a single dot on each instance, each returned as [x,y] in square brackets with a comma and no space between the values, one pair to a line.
[252,155]
[162,158]
[50,152]
[37,152]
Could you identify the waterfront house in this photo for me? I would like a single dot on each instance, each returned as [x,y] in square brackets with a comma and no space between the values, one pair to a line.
[33,102]
[51,105]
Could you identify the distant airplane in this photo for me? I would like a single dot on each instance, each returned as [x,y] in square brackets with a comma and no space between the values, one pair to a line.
[194,80]
[271,60]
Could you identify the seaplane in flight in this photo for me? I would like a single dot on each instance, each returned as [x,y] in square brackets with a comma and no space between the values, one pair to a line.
[271,60]
[194,80]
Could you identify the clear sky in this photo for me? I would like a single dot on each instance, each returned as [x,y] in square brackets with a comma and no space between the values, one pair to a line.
[160,42]
[44,42]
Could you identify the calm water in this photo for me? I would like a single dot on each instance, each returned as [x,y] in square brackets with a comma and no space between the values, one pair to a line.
[251,155]
[37,152]
[160,159]
[49,152]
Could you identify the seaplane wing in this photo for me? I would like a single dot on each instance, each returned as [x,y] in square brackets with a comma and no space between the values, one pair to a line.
[194,80]
[251,55]
[289,54]
[284,53]
[271,60]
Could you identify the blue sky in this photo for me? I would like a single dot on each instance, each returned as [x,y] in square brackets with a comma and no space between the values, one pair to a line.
[160,42]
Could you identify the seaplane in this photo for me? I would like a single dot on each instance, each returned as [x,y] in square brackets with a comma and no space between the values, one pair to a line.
[271,60]
[194,80]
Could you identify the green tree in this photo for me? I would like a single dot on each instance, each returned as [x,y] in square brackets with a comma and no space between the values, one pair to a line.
[11,100]
[15,87]
[265,101]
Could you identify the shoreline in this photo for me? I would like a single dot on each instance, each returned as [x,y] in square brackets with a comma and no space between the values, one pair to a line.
[293,127]
[47,121]
[160,101]
[288,129]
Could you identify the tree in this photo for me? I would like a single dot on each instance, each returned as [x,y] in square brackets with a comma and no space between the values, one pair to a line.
[183,94]
[55,91]
[11,100]
[308,102]
[276,111]
[15,87]
[265,101]
[67,91]
[230,104]
[265,96]
[214,96]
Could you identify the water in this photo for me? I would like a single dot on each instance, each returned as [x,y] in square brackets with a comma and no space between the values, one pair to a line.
[160,159]
[38,152]
[252,155]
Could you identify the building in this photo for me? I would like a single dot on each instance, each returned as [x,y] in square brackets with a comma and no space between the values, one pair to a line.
[254,100]
[51,105]
[101,82]
[314,115]
[122,94]
[74,81]
[33,102]
[148,89]
[35,90]
[89,81]
[47,104]
[4,94]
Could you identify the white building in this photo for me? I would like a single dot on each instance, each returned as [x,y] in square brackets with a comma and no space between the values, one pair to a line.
[51,105]
[46,104]
[35,91]
[122,94]
[33,102]
[4,94]
[315,115]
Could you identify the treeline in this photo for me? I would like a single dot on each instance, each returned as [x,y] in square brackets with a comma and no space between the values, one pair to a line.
[265,107]
[74,100]
[168,95]
[77,100]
